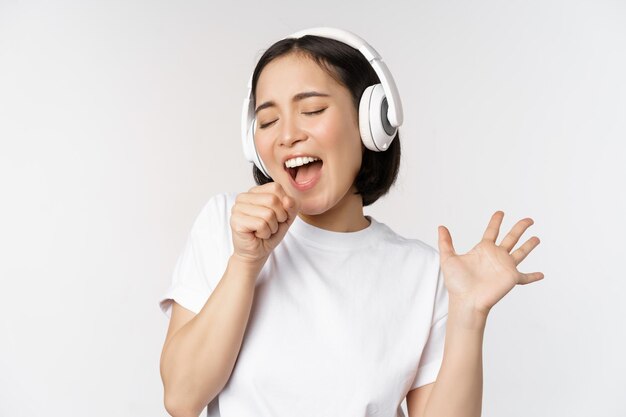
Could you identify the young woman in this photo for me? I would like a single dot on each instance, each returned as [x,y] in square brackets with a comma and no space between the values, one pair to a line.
[288,301]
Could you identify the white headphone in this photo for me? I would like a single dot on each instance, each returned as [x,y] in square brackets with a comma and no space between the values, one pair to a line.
[380,108]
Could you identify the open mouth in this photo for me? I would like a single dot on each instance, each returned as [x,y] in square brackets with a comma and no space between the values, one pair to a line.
[306,172]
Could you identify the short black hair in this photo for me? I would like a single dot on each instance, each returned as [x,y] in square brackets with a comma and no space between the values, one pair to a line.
[350,68]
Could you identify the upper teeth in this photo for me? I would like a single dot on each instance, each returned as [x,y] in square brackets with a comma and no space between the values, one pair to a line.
[299,161]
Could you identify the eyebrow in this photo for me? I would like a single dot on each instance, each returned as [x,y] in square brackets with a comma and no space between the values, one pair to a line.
[297,97]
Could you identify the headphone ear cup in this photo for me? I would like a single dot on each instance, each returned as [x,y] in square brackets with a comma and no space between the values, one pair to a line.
[251,149]
[248,144]
[376,131]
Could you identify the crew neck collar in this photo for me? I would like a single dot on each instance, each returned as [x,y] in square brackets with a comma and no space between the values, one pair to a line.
[335,240]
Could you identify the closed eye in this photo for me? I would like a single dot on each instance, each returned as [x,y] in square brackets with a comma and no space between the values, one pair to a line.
[263,126]
[311,113]
[316,112]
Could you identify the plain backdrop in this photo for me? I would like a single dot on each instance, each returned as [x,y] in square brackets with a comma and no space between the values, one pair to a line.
[119,119]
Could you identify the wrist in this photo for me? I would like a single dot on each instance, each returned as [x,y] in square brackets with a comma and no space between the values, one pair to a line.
[246,266]
[466,316]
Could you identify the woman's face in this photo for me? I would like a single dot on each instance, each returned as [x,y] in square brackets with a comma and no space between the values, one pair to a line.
[322,126]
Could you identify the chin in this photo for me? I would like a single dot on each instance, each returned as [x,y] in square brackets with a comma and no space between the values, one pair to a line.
[315,205]
[312,209]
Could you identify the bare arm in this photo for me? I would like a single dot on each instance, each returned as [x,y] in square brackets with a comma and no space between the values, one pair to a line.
[200,351]
[459,386]
[198,357]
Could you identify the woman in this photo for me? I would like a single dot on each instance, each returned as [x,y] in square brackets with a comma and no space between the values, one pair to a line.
[289,301]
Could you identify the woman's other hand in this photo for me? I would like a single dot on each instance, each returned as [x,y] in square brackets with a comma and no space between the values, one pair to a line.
[481,277]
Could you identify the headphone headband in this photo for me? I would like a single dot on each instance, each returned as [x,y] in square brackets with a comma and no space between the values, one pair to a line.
[395,114]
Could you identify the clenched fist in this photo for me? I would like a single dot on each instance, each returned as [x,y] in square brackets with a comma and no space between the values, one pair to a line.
[259,220]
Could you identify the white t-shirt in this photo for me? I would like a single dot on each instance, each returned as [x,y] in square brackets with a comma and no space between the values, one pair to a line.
[342,324]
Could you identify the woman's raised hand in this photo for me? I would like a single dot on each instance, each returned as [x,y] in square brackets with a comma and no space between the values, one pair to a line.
[259,220]
[481,277]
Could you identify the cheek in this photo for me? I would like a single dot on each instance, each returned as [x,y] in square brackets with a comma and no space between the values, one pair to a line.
[342,144]
[263,146]
[325,132]
[334,133]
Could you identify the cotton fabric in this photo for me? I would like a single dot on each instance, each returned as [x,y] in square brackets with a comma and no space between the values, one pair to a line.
[342,324]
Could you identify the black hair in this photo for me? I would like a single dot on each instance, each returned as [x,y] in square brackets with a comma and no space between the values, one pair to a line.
[349,68]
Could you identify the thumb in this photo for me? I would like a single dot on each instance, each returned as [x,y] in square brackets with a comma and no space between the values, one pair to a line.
[446,249]
[292,206]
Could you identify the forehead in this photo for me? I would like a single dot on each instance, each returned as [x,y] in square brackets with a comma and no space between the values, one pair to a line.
[290,74]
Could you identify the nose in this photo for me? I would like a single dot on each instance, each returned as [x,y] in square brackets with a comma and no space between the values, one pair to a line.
[290,132]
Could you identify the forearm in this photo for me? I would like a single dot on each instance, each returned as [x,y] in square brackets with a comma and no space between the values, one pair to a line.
[198,360]
[459,386]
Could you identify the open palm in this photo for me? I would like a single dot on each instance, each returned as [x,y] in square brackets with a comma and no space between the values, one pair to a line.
[486,273]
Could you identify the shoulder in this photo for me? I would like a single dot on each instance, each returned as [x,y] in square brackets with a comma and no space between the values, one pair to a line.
[220,202]
[217,207]
[213,218]
[414,246]
[210,234]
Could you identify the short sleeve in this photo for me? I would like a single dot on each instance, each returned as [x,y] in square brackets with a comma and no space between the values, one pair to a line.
[432,355]
[204,257]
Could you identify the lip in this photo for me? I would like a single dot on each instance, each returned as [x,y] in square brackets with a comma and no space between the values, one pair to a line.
[307,185]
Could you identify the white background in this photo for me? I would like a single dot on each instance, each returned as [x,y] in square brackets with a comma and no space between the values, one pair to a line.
[119,119]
